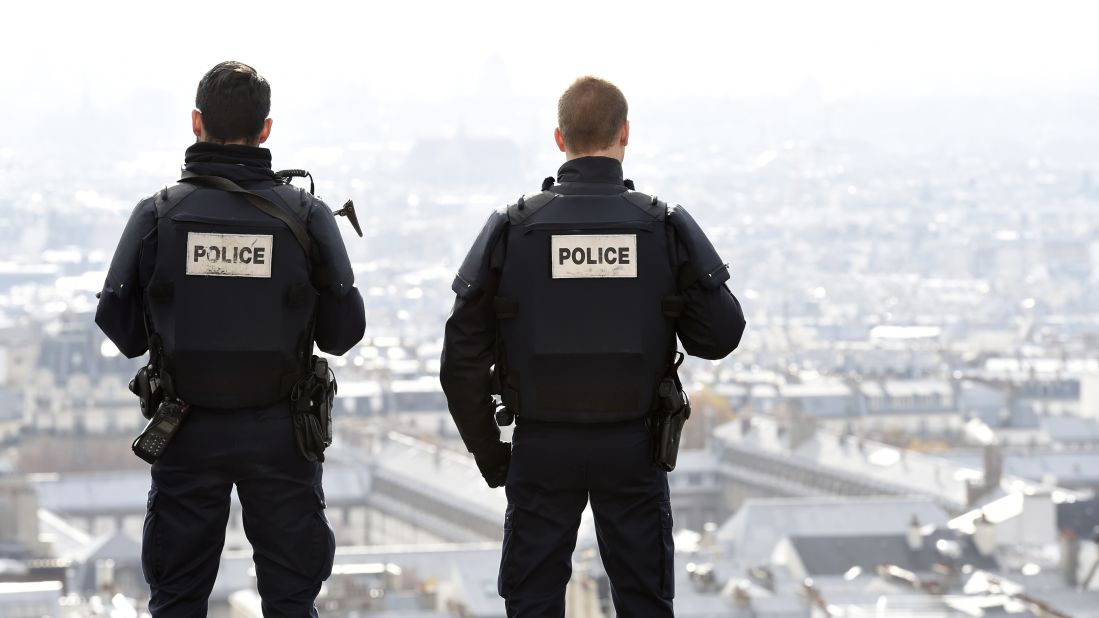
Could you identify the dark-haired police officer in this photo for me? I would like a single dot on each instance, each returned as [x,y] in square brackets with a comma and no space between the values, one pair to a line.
[230,302]
[575,296]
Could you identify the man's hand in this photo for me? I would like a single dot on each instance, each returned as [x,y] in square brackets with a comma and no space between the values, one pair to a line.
[493,461]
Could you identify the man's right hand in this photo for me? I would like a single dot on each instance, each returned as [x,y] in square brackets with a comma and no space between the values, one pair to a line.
[493,461]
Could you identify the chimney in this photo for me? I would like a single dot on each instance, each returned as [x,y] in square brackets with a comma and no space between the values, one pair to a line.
[803,428]
[914,536]
[1070,557]
[973,491]
[741,597]
[984,535]
[708,432]
[104,574]
[1094,565]
[994,466]
[742,600]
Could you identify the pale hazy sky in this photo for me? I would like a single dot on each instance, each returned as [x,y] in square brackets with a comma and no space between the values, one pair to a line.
[102,51]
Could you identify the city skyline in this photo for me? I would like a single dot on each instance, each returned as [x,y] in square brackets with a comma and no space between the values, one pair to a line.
[911,424]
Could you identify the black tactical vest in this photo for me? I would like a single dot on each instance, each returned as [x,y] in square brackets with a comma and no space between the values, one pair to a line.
[230,299]
[585,337]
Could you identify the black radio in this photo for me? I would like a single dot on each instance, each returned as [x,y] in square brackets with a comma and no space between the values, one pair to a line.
[164,424]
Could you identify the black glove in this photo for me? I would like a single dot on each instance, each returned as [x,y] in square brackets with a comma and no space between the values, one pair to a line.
[493,461]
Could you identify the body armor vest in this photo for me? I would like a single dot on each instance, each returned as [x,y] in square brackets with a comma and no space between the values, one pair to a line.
[230,299]
[580,307]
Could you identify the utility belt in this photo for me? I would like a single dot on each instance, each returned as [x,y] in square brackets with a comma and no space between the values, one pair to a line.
[671,409]
[310,405]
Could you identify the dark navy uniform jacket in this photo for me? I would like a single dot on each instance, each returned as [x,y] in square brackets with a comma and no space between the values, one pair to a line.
[340,319]
[710,326]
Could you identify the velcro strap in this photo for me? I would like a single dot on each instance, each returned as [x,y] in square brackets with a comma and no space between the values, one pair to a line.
[510,398]
[287,382]
[686,277]
[604,401]
[673,306]
[505,308]
[297,295]
[162,291]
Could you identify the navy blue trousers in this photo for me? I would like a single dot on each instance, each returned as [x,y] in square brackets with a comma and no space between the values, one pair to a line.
[283,511]
[555,470]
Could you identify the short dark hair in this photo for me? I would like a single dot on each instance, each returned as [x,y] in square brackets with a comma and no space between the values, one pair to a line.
[590,114]
[234,100]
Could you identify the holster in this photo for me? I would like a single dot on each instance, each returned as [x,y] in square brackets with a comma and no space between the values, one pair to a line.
[311,409]
[672,409]
[146,385]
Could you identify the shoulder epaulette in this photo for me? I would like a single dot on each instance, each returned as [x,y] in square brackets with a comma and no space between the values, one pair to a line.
[297,198]
[168,197]
[649,204]
[526,206]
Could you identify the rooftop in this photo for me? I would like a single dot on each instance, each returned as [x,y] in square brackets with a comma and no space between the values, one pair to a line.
[761,523]
[837,555]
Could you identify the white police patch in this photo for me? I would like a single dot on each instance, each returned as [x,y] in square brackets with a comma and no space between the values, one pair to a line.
[229,255]
[579,256]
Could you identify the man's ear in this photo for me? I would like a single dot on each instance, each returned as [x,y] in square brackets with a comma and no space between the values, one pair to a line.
[557,137]
[266,132]
[624,134]
[196,123]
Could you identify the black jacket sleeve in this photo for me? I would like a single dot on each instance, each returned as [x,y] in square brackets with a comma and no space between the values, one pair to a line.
[469,340]
[469,352]
[120,313]
[712,321]
[341,317]
[341,321]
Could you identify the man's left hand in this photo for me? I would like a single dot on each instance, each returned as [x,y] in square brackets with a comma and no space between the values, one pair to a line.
[493,462]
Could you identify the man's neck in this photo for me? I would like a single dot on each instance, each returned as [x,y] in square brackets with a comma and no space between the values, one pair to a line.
[613,153]
[233,142]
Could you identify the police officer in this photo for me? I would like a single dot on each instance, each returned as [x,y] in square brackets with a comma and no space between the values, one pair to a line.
[230,298]
[568,305]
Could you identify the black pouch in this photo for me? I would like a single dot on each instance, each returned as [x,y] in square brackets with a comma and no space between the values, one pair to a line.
[146,385]
[311,407]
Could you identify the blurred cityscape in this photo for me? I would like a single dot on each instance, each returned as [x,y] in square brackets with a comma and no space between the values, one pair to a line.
[909,429]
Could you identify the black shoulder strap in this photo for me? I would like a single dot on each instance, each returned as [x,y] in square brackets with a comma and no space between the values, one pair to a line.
[260,202]
[523,209]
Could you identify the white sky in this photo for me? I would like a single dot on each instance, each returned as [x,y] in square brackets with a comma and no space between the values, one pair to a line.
[104,50]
